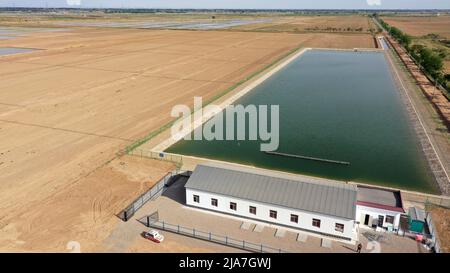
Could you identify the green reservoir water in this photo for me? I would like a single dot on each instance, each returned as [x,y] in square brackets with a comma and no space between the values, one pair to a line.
[333,105]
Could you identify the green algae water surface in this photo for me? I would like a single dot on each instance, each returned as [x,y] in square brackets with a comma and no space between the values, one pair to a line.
[334,105]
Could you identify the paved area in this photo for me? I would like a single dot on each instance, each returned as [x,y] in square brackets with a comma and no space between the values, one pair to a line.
[171,209]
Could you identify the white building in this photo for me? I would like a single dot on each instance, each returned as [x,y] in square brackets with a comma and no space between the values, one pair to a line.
[379,208]
[315,205]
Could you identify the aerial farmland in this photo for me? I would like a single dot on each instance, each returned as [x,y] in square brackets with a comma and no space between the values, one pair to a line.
[86,95]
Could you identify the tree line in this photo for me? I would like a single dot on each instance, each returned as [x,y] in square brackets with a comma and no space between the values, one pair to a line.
[431,60]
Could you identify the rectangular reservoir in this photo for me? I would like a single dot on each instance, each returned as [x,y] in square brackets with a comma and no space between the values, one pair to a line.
[340,106]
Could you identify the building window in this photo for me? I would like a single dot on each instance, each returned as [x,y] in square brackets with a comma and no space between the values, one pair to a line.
[390,219]
[273,214]
[294,218]
[339,227]
[213,202]
[196,199]
[233,206]
[316,223]
[252,210]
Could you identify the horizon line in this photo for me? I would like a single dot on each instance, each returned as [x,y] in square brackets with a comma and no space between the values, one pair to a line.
[244,9]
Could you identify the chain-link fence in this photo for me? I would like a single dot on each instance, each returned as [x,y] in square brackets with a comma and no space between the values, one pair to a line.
[154,191]
[149,221]
[174,158]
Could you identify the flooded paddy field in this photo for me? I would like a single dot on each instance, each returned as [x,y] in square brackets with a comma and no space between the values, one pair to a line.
[191,24]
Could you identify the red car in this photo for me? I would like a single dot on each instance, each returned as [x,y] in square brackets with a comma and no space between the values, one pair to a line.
[153,235]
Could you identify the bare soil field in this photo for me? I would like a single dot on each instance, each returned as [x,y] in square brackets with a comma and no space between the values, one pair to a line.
[421,25]
[67,109]
[441,218]
[354,23]
[81,211]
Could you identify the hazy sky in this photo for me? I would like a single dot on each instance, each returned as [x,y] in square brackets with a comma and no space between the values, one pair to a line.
[245,4]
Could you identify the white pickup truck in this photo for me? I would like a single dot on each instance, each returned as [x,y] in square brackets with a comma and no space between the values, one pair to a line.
[154,236]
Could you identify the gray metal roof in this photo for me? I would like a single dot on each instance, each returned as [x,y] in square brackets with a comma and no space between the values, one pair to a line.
[380,196]
[320,196]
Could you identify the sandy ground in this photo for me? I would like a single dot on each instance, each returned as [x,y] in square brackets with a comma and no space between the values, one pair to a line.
[82,212]
[419,26]
[441,218]
[69,108]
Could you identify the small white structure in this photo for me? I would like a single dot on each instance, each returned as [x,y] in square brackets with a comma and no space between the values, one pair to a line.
[379,208]
[316,205]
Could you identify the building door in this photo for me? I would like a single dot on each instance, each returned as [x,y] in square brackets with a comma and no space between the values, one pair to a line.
[367,219]
[380,220]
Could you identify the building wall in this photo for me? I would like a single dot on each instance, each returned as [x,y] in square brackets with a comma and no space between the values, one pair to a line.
[262,214]
[361,211]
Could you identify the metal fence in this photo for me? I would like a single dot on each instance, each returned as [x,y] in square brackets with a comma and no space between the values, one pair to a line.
[433,233]
[177,159]
[210,237]
[153,192]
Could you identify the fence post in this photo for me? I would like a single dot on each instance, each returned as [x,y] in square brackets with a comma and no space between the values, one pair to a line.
[148,221]
[178,229]
[193,231]
[125,218]
[226,240]
[210,236]
[243,244]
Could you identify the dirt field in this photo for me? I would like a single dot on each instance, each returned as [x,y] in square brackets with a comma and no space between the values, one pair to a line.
[81,211]
[67,109]
[421,25]
[354,23]
[441,218]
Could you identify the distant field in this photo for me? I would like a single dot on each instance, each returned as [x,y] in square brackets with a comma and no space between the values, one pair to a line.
[316,23]
[421,25]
